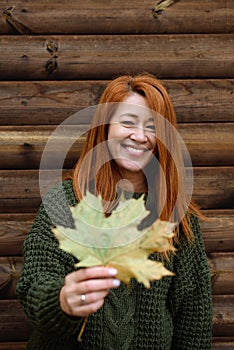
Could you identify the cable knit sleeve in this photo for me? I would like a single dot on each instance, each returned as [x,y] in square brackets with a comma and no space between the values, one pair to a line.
[45,266]
[190,295]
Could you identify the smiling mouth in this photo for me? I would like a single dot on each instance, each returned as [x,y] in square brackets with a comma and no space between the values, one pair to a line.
[135,150]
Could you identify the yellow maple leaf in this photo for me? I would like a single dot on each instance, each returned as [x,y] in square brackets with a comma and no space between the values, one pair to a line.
[115,240]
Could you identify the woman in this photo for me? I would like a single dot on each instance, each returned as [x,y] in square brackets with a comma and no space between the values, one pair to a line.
[131,149]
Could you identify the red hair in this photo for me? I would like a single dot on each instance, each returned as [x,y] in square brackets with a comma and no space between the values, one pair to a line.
[107,174]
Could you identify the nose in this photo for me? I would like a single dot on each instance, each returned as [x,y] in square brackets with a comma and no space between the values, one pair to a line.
[138,134]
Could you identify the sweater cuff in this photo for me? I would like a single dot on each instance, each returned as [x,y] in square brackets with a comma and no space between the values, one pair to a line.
[45,310]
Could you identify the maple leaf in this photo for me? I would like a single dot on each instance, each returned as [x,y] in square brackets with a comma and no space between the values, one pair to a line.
[115,240]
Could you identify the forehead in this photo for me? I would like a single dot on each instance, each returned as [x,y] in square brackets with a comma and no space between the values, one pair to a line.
[133,106]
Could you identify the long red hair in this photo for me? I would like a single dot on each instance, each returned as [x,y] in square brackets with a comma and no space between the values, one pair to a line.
[175,206]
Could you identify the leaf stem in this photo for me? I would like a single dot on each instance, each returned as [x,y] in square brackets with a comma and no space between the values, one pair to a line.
[82,329]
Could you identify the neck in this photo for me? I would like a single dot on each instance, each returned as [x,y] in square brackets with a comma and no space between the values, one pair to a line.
[133,182]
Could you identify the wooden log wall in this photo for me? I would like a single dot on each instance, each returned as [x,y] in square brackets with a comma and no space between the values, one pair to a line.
[56,58]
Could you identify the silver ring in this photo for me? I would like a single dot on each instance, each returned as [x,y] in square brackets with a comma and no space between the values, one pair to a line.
[83,298]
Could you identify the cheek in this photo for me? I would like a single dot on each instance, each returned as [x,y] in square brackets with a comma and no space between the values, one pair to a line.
[115,135]
[111,148]
[110,140]
[114,131]
[153,142]
[113,143]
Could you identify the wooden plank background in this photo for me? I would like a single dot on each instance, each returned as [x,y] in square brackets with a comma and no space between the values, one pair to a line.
[55,60]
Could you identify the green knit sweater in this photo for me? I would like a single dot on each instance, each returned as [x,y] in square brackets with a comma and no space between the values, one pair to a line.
[175,313]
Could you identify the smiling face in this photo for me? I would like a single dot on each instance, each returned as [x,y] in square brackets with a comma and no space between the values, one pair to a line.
[131,136]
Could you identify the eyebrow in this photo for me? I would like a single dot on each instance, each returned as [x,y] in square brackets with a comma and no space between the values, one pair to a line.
[129,115]
[135,116]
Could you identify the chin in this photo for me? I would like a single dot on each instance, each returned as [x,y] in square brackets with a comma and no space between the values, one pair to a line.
[131,167]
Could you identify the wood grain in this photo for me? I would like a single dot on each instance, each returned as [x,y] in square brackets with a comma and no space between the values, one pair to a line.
[17,328]
[214,187]
[14,325]
[222,273]
[13,346]
[223,315]
[56,59]
[223,343]
[221,269]
[106,56]
[13,230]
[217,231]
[10,271]
[209,144]
[52,102]
[19,189]
[117,17]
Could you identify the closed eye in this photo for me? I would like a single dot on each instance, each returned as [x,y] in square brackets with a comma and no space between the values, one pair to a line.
[150,127]
[127,123]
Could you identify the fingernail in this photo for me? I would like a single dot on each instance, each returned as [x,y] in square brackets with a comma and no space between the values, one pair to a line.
[112,271]
[116,283]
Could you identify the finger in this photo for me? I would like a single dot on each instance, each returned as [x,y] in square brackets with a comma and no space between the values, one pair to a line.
[93,272]
[85,310]
[91,298]
[95,285]
[74,303]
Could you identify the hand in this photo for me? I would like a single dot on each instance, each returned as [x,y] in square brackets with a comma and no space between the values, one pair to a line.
[94,283]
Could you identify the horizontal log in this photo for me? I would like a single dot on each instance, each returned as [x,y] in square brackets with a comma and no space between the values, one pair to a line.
[217,232]
[213,187]
[116,17]
[223,315]
[219,344]
[209,144]
[13,346]
[105,56]
[22,147]
[223,343]
[13,229]
[45,102]
[10,271]
[221,269]
[222,272]
[205,141]
[20,191]
[15,327]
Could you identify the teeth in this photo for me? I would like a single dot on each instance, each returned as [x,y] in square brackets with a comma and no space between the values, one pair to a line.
[134,149]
